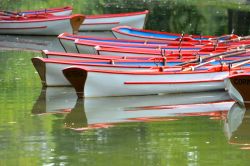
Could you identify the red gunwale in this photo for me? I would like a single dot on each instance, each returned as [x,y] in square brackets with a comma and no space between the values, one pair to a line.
[156,51]
[143,51]
[110,44]
[172,82]
[41,27]
[146,47]
[107,61]
[116,15]
[240,74]
[46,52]
[93,44]
[86,63]
[117,29]
[100,23]
[150,72]
[51,10]
[164,42]
[65,36]
[51,18]
[76,55]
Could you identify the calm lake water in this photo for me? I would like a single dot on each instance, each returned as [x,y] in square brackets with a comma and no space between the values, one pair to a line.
[50,126]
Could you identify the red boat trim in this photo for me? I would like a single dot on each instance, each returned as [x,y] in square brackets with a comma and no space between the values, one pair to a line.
[51,18]
[114,62]
[116,29]
[42,27]
[149,46]
[116,15]
[100,23]
[68,36]
[76,55]
[51,10]
[153,72]
[239,74]
[171,82]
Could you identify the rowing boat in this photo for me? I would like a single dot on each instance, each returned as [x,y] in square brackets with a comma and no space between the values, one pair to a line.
[89,47]
[40,24]
[96,83]
[164,51]
[106,22]
[58,11]
[50,70]
[126,32]
[68,42]
[192,78]
[77,56]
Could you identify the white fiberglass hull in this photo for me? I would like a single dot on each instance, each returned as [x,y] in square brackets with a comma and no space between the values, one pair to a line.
[36,28]
[108,22]
[51,74]
[48,26]
[96,83]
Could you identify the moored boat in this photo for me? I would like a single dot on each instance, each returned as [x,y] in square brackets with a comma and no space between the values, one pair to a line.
[50,70]
[182,52]
[40,24]
[106,22]
[96,83]
[89,47]
[68,42]
[126,32]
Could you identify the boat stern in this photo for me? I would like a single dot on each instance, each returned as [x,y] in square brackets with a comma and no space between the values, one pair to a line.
[40,68]
[76,20]
[77,77]
[241,84]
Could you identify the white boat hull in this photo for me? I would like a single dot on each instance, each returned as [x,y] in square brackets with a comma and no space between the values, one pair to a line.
[50,26]
[108,22]
[51,74]
[96,83]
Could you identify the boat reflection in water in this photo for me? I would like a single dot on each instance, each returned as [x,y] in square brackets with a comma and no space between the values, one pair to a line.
[55,100]
[237,126]
[90,113]
[38,43]
[34,43]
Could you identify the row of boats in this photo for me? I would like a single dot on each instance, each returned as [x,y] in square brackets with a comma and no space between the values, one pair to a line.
[48,21]
[144,62]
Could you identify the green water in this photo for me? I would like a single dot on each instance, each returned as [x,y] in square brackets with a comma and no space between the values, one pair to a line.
[51,127]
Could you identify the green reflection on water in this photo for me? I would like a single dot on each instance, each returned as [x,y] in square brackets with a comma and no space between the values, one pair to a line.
[29,136]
